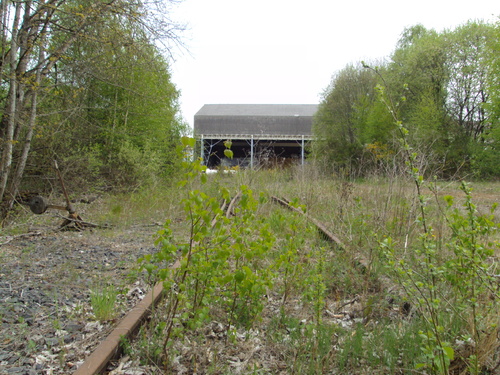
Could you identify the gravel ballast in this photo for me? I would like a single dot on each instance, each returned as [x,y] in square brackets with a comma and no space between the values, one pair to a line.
[47,325]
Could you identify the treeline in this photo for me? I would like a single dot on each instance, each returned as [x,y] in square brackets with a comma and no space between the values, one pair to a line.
[443,86]
[86,83]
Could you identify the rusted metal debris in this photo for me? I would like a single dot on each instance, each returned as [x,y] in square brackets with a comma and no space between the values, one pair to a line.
[39,205]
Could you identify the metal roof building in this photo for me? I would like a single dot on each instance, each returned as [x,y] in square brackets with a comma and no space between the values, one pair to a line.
[260,133]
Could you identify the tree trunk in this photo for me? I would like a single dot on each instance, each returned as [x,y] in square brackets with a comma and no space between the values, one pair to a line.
[21,165]
[10,111]
[25,39]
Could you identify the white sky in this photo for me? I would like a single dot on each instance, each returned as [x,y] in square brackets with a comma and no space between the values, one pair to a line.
[286,51]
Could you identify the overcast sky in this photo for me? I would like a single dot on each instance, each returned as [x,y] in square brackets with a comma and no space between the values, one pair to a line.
[286,51]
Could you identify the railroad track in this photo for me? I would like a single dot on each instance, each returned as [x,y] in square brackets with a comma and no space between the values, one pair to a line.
[109,349]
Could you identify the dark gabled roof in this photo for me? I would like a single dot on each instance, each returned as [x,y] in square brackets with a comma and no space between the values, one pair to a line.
[257,110]
[273,121]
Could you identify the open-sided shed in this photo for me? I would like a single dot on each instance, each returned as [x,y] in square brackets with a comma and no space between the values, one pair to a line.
[261,134]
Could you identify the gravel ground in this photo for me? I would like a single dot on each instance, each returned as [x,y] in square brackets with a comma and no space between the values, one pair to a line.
[46,320]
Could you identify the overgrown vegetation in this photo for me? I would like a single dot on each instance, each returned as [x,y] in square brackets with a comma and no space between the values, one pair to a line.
[423,296]
[317,308]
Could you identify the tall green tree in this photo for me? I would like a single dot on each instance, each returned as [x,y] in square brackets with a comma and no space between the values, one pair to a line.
[340,122]
[445,79]
[467,95]
[487,153]
[418,74]
[49,67]
[493,77]
[466,63]
[128,116]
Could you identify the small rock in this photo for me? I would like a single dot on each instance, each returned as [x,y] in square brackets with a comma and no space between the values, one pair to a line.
[51,341]
[73,327]
[16,370]
[68,338]
[13,359]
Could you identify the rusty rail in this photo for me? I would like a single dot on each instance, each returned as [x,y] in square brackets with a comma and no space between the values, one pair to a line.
[110,348]
[322,228]
[358,260]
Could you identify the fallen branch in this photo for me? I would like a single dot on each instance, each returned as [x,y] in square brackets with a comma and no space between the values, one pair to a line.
[79,223]
[11,238]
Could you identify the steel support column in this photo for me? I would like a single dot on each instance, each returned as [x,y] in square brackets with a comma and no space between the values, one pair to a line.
[202,150]
[251,153]
[302,152]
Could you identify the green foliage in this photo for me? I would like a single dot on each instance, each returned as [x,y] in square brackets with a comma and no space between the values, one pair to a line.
[435,282]
[221,263]
[341,117]
[379,127]
[387,348]
[138,121]
[289,255]
[442,85]
[467,64]
[493,83]
[322,311]
[103,302]
[264,269]
[310,345]
[486,154]
[315,292]
[485,161]
[109,110]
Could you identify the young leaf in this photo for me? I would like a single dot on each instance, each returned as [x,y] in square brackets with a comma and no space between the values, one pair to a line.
[449,352]
[188,142]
